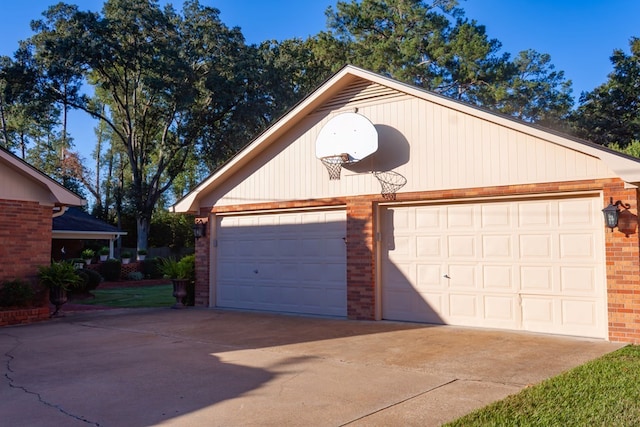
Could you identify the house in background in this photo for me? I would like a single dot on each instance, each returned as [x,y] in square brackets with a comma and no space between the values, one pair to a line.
[73,226]
[29,200]
[455,215]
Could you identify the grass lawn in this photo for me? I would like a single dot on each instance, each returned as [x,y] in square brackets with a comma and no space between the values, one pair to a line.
[604,392]
[147,296]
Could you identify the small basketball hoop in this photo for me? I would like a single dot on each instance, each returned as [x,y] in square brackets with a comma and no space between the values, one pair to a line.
[334,164]
[390,182]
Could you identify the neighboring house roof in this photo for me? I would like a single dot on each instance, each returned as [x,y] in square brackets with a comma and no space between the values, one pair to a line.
[57,194]
[77,224]
[626,167]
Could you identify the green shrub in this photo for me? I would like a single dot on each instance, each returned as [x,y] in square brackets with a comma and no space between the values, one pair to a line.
[59,274]
[135,275]
[150,268]
[16,293]
[91,279]
[88,254]
[110,270]
[103,251]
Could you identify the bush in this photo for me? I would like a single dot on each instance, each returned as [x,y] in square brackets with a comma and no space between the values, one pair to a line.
[91,279]
[16,293]
[59,275]
[135,275]
[150,268]
[111,270]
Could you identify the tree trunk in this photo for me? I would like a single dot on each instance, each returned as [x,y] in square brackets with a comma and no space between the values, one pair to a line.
[142,228]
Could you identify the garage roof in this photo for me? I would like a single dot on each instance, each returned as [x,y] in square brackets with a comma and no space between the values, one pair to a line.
[626,167]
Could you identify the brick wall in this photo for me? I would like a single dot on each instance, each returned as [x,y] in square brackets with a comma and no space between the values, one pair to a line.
[622,245]
[23,316]
[202,265]
[25,236]
[623,269]
[361,295]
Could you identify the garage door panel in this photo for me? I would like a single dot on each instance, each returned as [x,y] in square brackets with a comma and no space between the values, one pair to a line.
[536,278]
[461,276]
[463,307]
[497,247]
[460,217]
[461,246]
[429,246]
[533,265]
[429,276]
[577,246]
[496,216]
[534,215]
[497,277]
[500,310]
[288,262]
[536,246]
[576,213]
[581,280]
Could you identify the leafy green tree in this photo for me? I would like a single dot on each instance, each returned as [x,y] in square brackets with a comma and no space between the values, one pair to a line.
[432,45]
[610,114]
[172,83]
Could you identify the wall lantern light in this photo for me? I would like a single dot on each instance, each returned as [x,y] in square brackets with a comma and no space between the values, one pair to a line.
[199,228]
[612,213]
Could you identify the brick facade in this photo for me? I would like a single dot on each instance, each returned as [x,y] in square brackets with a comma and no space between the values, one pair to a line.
[25,233]
[622,245]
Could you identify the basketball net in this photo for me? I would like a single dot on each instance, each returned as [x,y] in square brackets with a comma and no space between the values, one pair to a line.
[334,164]
[390,182]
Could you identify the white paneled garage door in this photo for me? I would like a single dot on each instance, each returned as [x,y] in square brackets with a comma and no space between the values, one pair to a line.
[291,262]
[535,265]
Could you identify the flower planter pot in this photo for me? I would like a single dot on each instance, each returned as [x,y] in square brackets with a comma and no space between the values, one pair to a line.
[179,291]
[126,261]
[141,257]
[87,261]
[57,297]
[103,258]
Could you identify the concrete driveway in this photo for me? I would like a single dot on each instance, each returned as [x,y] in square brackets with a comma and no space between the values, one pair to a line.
[198,367]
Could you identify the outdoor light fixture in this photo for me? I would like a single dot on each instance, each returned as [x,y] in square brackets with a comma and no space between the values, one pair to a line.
[199,229]
[612,213]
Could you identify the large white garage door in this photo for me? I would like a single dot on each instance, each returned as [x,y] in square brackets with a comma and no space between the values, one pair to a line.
[287,262]
[535,265]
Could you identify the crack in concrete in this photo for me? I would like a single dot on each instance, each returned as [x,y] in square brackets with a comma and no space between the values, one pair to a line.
[399,402]
[8,371]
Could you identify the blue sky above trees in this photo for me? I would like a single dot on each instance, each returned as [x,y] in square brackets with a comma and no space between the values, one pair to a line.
[580,35]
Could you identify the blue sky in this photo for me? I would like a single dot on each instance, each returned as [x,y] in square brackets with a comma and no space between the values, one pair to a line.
[580,35]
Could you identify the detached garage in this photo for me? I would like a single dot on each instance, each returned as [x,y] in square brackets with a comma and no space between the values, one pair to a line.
[375,200]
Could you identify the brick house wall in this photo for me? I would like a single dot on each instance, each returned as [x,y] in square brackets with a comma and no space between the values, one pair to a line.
[25,233]
[622,245]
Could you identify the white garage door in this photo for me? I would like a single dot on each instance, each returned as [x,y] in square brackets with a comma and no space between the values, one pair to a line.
[535,265]
[287,262]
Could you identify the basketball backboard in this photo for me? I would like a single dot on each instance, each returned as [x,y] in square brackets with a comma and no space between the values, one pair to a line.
[347,133]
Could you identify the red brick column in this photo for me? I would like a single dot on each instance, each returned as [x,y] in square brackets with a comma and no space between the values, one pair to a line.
[361,296]
[25,233]
[202,246]
[623,267]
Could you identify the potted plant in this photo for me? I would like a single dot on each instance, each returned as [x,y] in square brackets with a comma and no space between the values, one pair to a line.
[87,255]
[126,257]
[58,277]
[142,254]
[179,274]
[104,253]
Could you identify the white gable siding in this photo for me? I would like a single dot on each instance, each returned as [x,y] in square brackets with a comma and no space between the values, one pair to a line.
[16,186]
[437,148]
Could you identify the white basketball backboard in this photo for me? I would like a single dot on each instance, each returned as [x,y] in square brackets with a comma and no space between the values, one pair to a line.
[347,133]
